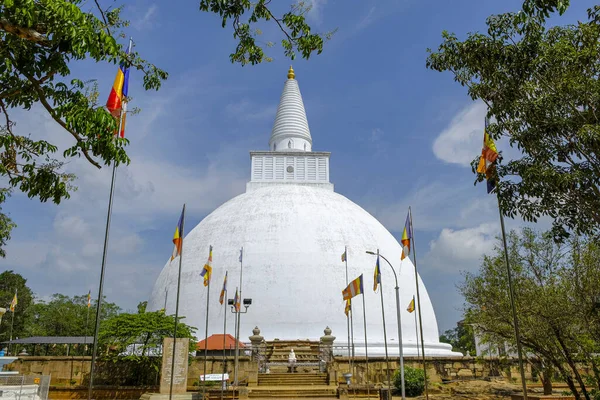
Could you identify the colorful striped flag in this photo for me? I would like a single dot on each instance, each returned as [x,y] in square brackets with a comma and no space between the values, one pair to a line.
[344,255]
[117,99]
[236,300]
[376,275]
[89,299]
[411,306]
[348,307]
[354,288]
[207,270]
[406,237]
[178,236]
[224,290]
[14,302]
[489,155]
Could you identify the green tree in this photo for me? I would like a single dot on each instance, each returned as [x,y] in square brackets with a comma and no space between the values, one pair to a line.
[414,381]
[555,288]
[9,282]
[461,338]
[540,84]
[67,316]
[144,330]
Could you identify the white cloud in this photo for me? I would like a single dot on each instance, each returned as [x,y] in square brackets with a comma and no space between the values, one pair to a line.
[460,142]
[246,110]
[315,13]
[367,20]
[461,249]
[145,20]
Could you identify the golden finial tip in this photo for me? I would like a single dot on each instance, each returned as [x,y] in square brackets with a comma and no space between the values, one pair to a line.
[291,74]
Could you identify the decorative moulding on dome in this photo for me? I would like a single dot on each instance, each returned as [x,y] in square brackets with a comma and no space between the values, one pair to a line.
[290,130]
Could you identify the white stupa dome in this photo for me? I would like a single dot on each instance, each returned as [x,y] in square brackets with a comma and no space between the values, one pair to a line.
[293,229]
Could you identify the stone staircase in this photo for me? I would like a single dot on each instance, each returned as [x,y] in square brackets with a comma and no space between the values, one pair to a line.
[307,382]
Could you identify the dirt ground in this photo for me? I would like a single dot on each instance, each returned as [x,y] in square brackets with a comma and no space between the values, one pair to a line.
[478,390]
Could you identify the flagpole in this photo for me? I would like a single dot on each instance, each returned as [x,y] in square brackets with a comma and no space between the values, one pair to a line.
[12,322]
[352,363]
[181,235]
[366,351]
[103,268]
[387,360]
[224,335]
[166,296]
[238,318]
[416,328]
[412,231]
[348,314]
[512,301]
[206,333]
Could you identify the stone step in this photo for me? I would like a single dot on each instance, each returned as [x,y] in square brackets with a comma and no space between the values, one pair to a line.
[292,392]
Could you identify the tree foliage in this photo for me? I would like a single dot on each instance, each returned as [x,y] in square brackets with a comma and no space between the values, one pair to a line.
[244,15]
[557,299]
[143,330]
[541,87]
[461,338]
[414,381]
[9,283]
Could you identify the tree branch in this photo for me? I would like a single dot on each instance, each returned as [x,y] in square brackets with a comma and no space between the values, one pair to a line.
[24,33]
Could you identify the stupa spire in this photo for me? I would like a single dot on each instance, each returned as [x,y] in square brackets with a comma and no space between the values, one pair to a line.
[290,130]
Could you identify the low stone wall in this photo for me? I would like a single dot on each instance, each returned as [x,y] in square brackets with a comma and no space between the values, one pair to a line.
[438,368]
[74,370]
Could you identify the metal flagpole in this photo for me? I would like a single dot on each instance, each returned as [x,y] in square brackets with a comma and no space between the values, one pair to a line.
[166,296]
[352,363]
[206,332]
[366,351]
[414,251]
[347,315]
[387,360]
[224,335]
[512,301]
[416,327]
[181,235]
[12,322]
[103,267]
[238,318]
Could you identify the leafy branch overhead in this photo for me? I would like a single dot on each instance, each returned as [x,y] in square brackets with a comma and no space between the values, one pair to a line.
[243,14]
[541,88]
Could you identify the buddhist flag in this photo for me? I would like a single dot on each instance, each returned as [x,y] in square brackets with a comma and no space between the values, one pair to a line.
[489,155]
[236,300]
[14,302]
[348,307]
[89,299]
[207,270]
[406,237]
[224,290]
[178,237]
[354,288]
[344,255]
[118,94]
[411,306]
[376,275]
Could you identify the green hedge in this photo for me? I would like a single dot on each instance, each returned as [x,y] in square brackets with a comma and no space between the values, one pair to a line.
[414,381]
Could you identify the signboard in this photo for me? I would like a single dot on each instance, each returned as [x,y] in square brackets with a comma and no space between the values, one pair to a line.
[214,377]
[181,365]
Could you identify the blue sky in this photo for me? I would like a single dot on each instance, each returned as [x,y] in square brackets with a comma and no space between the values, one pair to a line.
[399,135]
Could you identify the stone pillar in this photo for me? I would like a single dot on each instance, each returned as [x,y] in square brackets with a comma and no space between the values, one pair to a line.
[181,365]
[326,346]
[258,355]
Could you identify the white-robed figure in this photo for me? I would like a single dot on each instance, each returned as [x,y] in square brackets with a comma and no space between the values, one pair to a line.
[292,361]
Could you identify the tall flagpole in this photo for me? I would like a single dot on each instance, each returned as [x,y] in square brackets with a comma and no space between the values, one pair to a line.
[238,318]
[12,322]
[166,296]
[387,360]
[348,314]
[412,234]
[103,267]
[366,345]
[416,328]
[181,235]
[206,327]
[224,334]
[512,302]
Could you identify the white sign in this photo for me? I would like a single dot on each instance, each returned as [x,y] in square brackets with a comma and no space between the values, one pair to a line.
[214,377]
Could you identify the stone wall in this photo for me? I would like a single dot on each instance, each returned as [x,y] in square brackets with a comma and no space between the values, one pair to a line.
[438,369]
[74,370]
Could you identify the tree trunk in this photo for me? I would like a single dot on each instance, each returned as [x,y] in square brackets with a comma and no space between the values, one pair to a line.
[546,377]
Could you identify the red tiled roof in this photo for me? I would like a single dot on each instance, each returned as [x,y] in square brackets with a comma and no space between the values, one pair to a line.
[215,342]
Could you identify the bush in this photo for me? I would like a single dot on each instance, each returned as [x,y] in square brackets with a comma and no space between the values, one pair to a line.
[414,381]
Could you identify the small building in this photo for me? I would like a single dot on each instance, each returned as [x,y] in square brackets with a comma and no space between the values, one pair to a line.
[216,345]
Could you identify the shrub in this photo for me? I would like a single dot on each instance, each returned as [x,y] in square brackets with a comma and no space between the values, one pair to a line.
[414,381]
